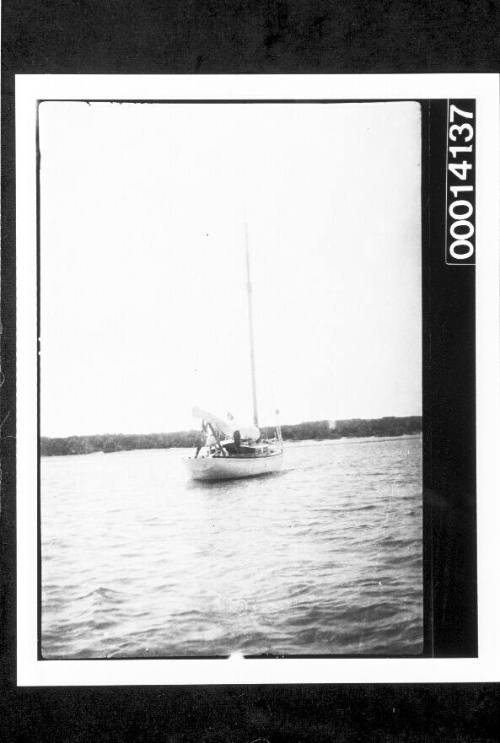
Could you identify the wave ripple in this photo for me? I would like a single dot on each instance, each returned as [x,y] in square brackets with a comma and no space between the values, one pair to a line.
[326,559]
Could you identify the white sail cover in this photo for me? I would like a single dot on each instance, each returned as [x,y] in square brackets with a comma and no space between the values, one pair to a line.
[247,433]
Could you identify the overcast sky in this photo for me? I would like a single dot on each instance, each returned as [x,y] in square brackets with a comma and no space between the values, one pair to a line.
[143,304]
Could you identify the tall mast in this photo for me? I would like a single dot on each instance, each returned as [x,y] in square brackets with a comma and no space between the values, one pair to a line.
[250,330]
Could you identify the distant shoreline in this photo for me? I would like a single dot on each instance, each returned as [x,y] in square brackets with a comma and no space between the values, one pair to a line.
[313,430]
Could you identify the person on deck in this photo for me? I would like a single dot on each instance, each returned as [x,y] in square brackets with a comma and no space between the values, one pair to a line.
[237,440]
[202,438]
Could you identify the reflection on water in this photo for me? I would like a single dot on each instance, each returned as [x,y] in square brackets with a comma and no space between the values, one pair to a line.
[324,557]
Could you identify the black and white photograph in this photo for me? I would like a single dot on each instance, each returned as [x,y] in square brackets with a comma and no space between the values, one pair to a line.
[230,379]
[247,439]
[249,372]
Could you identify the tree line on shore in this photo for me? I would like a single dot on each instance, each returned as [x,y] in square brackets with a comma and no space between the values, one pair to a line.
[317,430]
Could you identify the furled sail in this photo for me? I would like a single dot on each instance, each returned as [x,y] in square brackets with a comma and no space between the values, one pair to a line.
[225,426]
[228,427]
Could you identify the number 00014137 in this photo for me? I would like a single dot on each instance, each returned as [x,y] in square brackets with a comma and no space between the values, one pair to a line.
[460,218]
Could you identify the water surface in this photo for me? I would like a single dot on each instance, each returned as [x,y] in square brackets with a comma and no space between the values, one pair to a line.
[323,558]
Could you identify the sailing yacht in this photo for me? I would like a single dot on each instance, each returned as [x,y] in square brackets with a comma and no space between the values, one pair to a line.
[228,450]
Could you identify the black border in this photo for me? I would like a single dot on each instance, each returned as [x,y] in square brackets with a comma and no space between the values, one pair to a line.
[428,646]
[449,407]
[286,37]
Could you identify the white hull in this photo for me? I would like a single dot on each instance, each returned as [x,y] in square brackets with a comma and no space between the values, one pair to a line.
[231,468]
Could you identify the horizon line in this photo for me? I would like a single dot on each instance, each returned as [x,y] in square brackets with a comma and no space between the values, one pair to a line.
[190,430]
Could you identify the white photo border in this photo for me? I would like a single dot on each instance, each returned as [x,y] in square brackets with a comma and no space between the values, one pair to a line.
[486,667]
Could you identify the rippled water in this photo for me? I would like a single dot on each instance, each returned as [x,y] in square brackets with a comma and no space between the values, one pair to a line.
[324,558]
